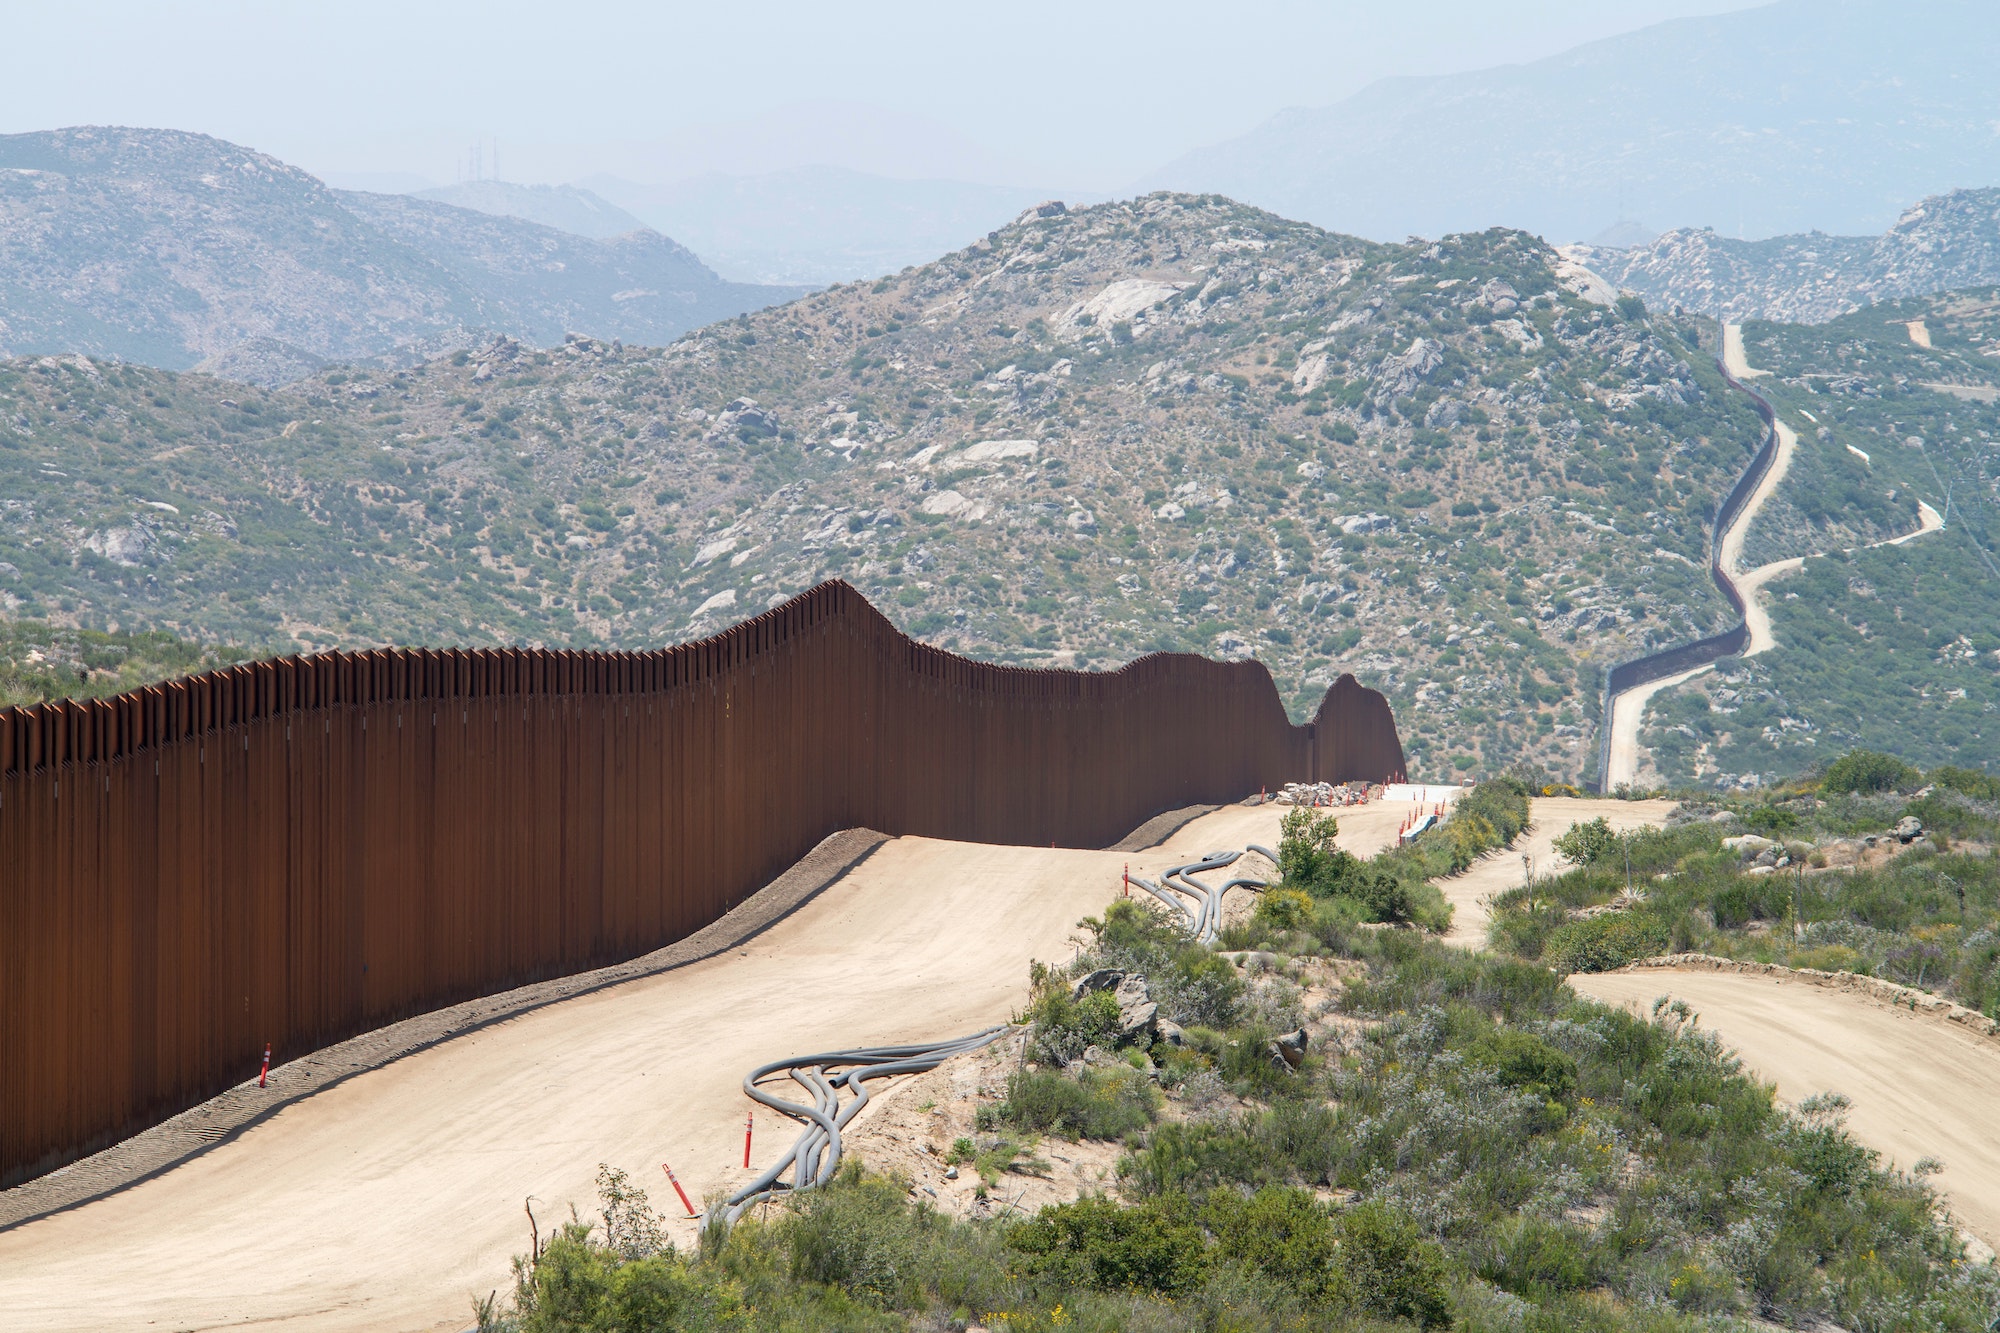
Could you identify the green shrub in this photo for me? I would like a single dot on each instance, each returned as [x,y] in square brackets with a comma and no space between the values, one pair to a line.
[1097,1244]
[1285,909]
[1973,782]
[1066,1026]
[1587,844]
[1187,981]
[579,1286]
[1867,771]
[1306,850]
[1284,1234]
[1191,1157]
[1743,899]
[1602,943]
[1390,1268]
[856,1234]
[1525,1061]
[1102,1104]
[1539,1258]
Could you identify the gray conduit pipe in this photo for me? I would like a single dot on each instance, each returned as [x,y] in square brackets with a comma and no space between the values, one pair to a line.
[814,1157]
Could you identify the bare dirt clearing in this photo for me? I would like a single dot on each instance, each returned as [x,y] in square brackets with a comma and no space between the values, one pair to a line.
[1920,1087]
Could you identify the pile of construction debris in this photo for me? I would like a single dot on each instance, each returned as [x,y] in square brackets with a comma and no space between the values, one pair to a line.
[1322,793]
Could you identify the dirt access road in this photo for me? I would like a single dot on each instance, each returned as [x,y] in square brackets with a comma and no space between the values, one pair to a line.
[1920,1087]
[1628,710]
[1503,870]
[387,1202]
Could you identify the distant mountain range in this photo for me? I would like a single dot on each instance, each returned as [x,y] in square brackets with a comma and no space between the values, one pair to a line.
[1829,114]
[181,251]
[565,207]
[818,224]
[1946,243]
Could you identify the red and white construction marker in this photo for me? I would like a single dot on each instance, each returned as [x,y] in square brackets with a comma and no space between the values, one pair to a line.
[678,1190]
[266,1072]
[1128,879]
[749,1123]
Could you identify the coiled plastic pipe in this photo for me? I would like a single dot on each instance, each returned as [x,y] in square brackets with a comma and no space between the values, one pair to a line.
[814,1157]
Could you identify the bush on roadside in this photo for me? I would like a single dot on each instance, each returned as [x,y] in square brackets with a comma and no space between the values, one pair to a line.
[1098,1244]
[1065,1026]
[580,1285]
[1285,909]
[1602,943]
[1587,844]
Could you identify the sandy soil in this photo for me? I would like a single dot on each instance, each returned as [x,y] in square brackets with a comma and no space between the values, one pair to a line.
[1503,870]
[1732,354]
[387,1202]
[1628,712]
[1920,1087]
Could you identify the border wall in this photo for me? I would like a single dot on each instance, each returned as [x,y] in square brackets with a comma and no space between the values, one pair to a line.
[296,851]
[1644,670]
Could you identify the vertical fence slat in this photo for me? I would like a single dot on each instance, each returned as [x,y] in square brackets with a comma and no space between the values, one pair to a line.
[296,851]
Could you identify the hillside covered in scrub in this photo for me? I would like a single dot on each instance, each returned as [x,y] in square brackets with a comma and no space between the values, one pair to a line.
[1449,467]
[1328,1122]
[1893,647]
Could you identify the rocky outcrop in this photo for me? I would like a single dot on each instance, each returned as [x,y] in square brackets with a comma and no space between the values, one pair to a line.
[1138,1015]
[1288,1050]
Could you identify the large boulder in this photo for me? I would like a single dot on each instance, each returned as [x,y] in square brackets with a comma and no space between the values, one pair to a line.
[1288,1051]
[1138,1015]
[1908,829]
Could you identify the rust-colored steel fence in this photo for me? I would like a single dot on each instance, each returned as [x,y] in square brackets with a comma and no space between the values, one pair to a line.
[299,850]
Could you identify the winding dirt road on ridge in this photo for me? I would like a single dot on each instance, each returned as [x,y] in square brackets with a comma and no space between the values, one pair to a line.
[1921,1087]
[1628,710]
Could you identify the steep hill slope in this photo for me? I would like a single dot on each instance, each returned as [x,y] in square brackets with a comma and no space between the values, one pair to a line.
[1177,422]
[1827,114]
[174,249]
[1948,242]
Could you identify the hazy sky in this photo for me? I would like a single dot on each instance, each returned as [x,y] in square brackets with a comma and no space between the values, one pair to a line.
[1076,94]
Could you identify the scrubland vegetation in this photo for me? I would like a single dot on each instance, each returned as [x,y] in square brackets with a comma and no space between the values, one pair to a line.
[1462,1142]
